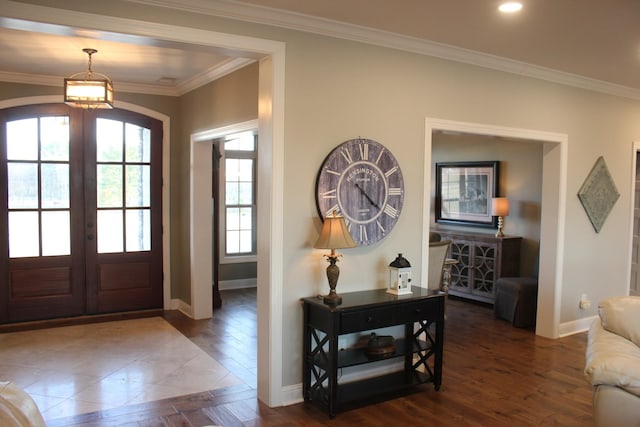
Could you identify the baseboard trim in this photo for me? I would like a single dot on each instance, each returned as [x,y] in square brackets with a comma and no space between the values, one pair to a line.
[291,394]
[183,307]
[224,285]
[576,326]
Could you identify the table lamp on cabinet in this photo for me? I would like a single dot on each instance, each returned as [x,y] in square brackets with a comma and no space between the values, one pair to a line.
[500,208]
[334,235]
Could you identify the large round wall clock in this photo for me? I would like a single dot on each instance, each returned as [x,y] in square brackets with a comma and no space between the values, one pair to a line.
[362,181]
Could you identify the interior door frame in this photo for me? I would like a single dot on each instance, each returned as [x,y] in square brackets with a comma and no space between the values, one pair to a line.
[553,209]
[216,200]
[634,164]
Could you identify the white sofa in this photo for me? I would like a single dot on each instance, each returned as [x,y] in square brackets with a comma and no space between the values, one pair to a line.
[17,408]
[613,362]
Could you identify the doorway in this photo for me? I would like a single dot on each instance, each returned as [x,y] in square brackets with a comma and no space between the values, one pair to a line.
[271,178]
[82,212]
[235,210]
[554,155]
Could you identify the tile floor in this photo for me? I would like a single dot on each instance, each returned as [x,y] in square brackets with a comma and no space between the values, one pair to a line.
[78,369]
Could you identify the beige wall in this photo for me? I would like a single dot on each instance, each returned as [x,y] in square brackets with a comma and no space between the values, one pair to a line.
[377,93]
[231,99]
[337,90]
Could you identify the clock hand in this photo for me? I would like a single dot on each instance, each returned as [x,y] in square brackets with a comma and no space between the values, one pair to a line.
[367,196]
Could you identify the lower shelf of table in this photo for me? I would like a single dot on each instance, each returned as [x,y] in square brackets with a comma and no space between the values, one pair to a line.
[354,357]
[371,387]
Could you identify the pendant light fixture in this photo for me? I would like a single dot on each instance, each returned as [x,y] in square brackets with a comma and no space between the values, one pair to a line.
[88,89]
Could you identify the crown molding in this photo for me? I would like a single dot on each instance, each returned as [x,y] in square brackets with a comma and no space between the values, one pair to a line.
[295,21]
[57,81]
[215,73]
[180,89]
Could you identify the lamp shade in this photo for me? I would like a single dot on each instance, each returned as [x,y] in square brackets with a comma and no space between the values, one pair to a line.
[84,93]
[500,206]
[88,90]
[334,234]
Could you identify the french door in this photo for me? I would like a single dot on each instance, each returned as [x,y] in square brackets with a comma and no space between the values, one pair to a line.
[80,212]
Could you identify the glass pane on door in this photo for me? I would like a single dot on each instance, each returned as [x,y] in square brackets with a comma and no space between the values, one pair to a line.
[23,185]
[109,179]
[55,138]
[123,187]
[38,177]
[109,140]
[55,186]
[110,231]
[22,139]
[55,233]
[138,185]
[138,230]
[23,234]
[138,144]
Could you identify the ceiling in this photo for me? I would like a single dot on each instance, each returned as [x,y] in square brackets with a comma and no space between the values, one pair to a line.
[592,39]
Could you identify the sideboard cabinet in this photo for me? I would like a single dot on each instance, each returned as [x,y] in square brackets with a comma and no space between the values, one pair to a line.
[482,259]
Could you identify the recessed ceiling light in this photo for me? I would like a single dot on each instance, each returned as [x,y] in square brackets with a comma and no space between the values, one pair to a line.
[510,7]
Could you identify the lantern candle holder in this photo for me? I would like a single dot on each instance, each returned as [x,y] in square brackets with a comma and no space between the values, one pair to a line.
[400,276]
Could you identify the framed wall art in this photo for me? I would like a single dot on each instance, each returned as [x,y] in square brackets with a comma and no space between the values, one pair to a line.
[464,191]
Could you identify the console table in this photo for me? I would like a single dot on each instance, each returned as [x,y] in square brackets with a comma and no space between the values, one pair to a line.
[421,313]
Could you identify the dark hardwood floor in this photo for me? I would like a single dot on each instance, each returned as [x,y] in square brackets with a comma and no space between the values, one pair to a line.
[494,375]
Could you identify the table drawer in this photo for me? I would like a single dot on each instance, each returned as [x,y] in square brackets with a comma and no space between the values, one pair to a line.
[421,310]
[368,319]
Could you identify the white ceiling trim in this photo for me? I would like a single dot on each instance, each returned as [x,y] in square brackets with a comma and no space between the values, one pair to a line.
[212,74]
[56,81]
[296,21]
[195,82]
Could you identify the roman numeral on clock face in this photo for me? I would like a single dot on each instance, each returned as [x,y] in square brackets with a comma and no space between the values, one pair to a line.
[331,194]
[363,233]
[331,210]
[391,211]
[347,156]
[364,151]
[395,191]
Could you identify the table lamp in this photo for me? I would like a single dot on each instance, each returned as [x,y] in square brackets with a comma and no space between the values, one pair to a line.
[500,208]
[334,235]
